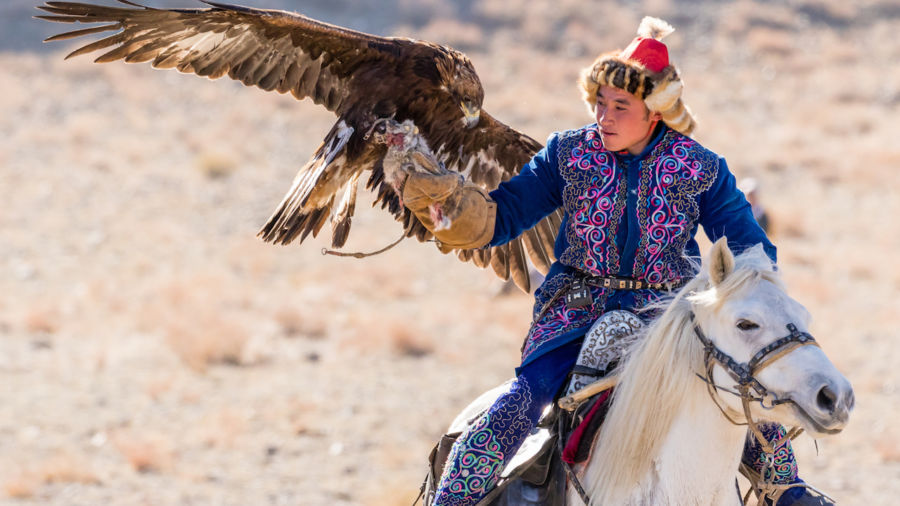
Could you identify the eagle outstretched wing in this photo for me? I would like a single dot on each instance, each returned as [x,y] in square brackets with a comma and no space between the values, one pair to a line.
[359,77]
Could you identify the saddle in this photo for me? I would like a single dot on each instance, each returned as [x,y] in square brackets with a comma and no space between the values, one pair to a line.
[536,474]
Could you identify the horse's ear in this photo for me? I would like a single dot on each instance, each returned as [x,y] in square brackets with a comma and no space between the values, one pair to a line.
[721,261]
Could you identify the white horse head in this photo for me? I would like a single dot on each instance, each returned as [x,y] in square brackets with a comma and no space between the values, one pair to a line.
[746,309]
[665,441]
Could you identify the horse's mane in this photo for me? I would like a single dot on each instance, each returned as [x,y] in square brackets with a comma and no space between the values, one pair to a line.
[655,378]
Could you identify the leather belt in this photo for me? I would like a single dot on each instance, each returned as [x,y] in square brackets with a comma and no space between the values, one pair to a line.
[617,283]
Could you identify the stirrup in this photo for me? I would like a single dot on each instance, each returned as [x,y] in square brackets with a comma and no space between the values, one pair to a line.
[772,492]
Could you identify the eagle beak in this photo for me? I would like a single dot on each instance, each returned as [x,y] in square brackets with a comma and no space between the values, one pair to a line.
[471,115]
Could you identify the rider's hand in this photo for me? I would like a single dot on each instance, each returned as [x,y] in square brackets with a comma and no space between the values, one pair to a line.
[421,190]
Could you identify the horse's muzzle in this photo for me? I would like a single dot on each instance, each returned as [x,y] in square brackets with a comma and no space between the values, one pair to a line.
[828,405]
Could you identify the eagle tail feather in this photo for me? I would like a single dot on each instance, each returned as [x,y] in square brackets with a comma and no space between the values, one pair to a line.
[500,261]
[536,252]
[482,257]
[547,237]
[518,266]
[78,33]
[307,205]
[465,255]
[340,223]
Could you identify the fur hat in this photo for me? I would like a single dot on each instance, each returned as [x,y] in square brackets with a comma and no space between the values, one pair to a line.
[642,69]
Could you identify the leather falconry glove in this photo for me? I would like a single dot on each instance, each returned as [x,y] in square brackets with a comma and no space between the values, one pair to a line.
[460,214]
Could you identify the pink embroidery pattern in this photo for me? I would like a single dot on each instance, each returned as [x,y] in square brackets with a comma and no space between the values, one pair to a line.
[671,178]
[667,208]
[558,319]
[595,201]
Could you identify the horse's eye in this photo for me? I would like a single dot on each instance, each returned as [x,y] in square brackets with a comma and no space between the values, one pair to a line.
[380,128]
[746,325]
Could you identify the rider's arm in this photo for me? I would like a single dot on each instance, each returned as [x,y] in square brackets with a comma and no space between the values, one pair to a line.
[528,197]
[724,211]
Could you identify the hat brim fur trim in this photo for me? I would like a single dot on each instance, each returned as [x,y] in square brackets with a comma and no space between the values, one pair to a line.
[661,91]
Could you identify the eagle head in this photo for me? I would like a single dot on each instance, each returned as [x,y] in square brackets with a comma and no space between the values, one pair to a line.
[461,81]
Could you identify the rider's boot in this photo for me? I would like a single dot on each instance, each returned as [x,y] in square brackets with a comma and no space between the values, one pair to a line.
[775,480]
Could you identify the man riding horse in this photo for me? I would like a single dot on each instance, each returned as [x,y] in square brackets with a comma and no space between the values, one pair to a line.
[634,187]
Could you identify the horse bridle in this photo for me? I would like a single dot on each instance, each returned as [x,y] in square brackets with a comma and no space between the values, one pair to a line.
[749,389]
[745,375]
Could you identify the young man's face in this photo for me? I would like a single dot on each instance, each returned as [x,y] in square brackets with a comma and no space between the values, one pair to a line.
[625,122]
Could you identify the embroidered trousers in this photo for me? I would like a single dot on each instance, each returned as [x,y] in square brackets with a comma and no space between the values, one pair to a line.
[477,458]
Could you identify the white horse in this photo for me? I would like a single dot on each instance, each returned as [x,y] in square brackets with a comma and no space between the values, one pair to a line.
[665,441]
[670,436]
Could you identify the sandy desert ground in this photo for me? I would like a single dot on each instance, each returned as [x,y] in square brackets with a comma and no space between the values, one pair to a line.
[154,352]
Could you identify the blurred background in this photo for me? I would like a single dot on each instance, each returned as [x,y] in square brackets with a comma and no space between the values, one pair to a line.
[154,352]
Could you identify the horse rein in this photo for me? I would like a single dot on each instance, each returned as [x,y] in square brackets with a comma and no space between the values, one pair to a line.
[749,389]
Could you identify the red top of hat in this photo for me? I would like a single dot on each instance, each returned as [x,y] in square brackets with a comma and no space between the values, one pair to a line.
[651,53]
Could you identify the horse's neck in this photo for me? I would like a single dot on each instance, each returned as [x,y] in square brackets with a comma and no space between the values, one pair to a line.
[699,459]
[697,462]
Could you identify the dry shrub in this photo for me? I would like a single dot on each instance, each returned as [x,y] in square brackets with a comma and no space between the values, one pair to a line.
[63,467]
[394,490]
[252,257]
[66,467]
[391,492]
[388,333]
[888,449]
[770,41]
[787,226]
[41,318]
[408,340]
[202,339]
[216,165]
[145,453]
[294,415]
[199,323]
[20,486]
[308,324]
[222,428]
[157,387]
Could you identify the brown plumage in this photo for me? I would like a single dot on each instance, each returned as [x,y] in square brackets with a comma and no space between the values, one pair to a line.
[359,77]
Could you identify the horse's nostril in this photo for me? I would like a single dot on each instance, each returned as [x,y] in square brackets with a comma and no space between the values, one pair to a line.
[826,399]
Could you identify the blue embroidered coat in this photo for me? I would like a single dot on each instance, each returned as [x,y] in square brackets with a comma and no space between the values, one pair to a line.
[624,215]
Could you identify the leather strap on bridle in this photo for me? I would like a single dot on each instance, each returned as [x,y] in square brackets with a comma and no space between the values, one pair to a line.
[747,385]
[745,374]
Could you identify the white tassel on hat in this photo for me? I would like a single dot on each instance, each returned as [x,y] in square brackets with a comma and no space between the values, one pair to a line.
[654,28]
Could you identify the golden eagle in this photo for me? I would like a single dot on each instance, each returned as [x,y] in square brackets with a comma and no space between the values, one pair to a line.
[362,78]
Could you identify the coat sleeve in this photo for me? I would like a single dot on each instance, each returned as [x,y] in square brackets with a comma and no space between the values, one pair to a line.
[725,212]
[528,197]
